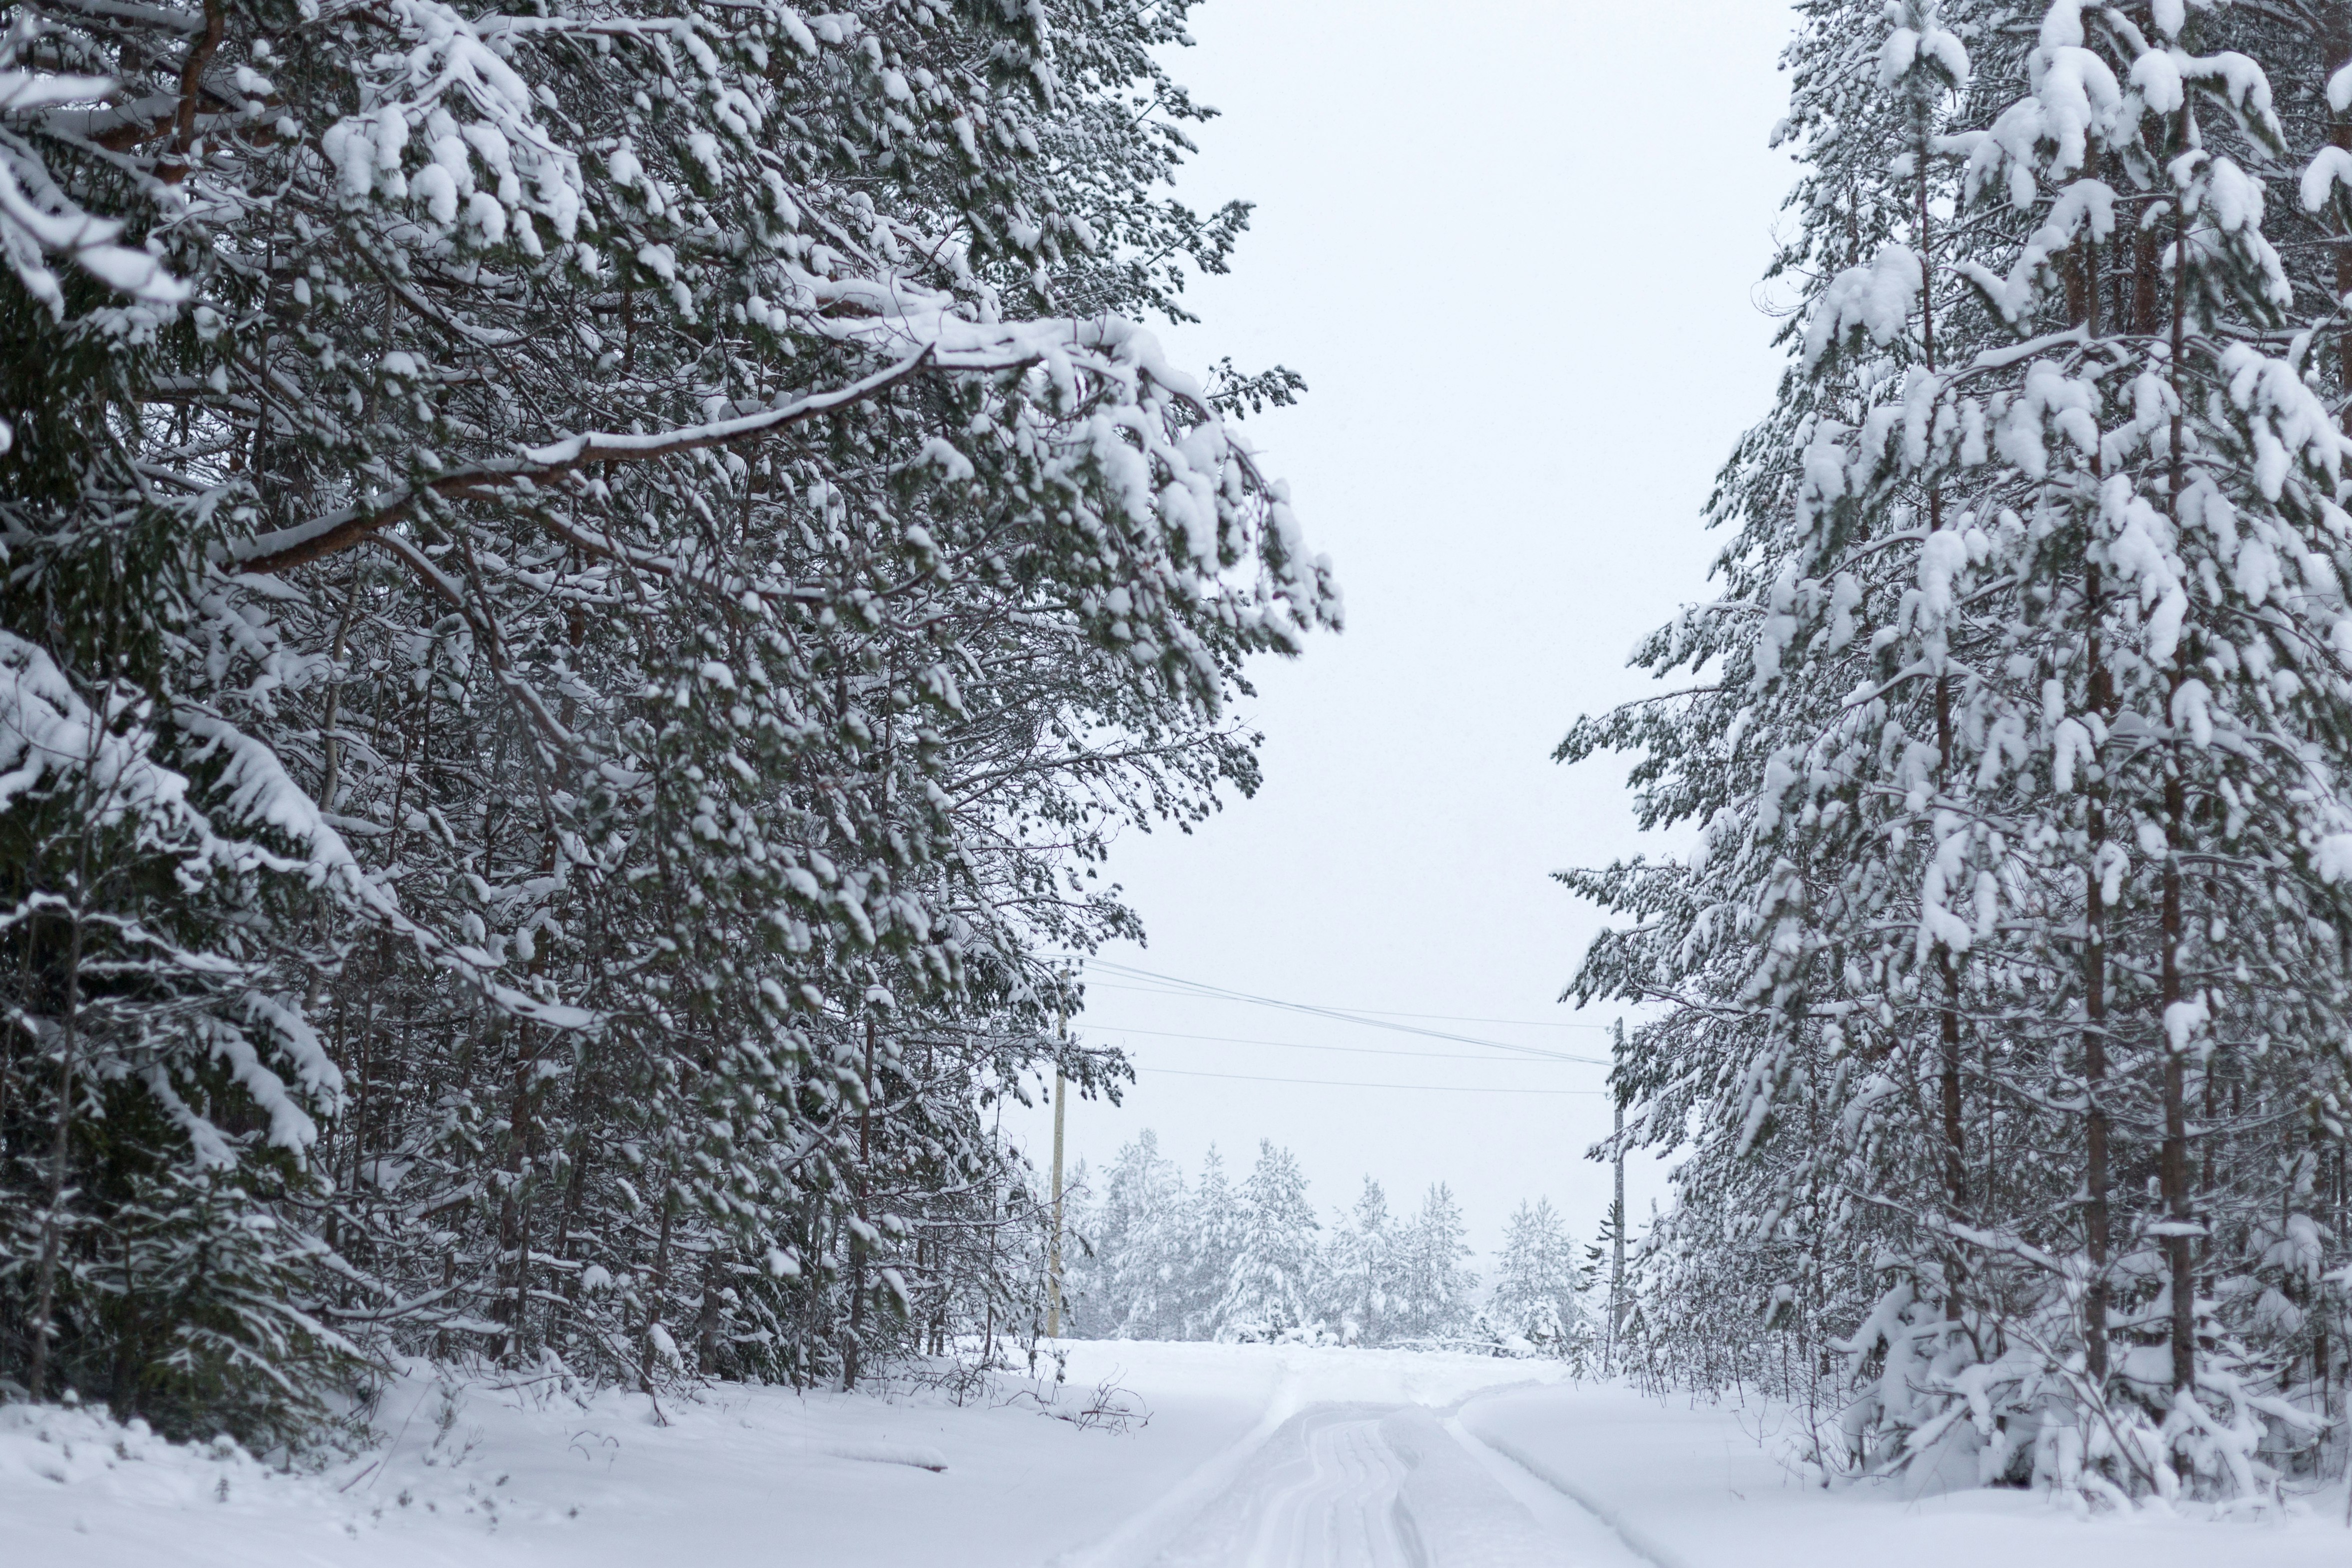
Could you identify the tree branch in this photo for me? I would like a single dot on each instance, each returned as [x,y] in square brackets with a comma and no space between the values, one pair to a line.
[333,532]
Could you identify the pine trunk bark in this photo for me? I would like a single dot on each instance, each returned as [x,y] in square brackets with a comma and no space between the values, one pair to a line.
[45,1286]
[2097,1228]
[654,1298]
[2172,1173]
[1953,1108]
[851,1345]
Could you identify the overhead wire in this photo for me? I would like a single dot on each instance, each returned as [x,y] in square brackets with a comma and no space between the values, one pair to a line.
[1202,989]
[1366,1018]
[1349,1083]
[1352,1050]
[1373,1012]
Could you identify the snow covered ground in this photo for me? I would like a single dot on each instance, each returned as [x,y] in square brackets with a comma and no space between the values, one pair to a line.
[1251,1456]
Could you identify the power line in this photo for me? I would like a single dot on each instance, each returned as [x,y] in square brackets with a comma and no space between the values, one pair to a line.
[1353,1050]
[1195,988]
[1351,1083]
[1196,995]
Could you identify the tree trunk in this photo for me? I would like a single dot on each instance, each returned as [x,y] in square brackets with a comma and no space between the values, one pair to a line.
[1955,1163]
[45,1281]
[2096,1224]
[2172,1176]
[514,1207]
[1955,1138]
[705,1343]
[575,1188]
[654,1297]
[849,1354]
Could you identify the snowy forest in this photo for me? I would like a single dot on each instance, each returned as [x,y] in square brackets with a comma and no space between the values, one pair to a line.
[586,588]
[2000,1006]
[1154,1255]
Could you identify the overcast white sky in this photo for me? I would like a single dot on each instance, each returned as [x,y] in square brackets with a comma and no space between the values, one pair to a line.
[1513,248]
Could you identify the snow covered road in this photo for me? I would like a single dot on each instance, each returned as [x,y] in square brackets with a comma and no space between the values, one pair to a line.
[1325,1490]
[1406,1486]
[1253,1457]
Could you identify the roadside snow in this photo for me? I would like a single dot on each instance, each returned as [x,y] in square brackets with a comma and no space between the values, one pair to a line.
[480,1476]
[1690,1484]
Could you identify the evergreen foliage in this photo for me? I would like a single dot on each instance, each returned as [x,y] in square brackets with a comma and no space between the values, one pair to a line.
[1209,1239]
[585,591]
[2005,990]
[1360,1277]
[1258,1265]
[1540,1287]
[1271,1284]
[1435,1299]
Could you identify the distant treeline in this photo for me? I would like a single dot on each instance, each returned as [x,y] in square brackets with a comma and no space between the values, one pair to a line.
[1158,1255]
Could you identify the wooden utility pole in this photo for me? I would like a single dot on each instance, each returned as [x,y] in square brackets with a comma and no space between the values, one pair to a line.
[1054,1244]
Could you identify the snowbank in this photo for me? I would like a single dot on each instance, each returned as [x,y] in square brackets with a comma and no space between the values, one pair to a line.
[1690,1484]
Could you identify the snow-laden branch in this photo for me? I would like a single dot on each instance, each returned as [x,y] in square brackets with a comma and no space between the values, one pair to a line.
[333,532]
[938,341]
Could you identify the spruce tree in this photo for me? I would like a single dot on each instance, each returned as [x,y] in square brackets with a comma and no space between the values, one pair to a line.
[1135,1277]
[1436,1290]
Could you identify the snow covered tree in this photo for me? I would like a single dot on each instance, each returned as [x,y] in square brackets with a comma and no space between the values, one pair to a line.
[1435,1291]
[1133,1283]
[2018,766]
[1270,1285]
[1209,1240]
[1361,1289]
[1539,1284]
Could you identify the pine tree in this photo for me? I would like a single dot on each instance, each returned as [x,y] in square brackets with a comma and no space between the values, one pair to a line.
[2019,785]
[1270,1285]
[1539,1288]
[1435,1299]
[635,565]
[1361,1284]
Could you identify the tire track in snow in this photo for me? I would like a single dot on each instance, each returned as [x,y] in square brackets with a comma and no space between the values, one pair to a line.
[1353,1486]
[1324,1492]
[1133,1542]
[1353,1481]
